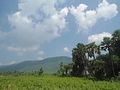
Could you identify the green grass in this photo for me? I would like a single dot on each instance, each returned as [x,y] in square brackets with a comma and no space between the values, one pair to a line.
[54,83]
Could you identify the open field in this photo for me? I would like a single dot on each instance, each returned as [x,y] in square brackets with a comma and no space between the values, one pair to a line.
[54,83]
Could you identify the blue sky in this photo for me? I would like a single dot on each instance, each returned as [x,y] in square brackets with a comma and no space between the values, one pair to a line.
[37,29]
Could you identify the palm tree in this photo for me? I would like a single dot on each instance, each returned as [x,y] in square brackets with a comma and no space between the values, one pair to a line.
[80,60]
[92,49]
[106,45]
[116,42]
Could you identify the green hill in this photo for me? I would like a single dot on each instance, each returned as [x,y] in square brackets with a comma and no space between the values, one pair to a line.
[49,65]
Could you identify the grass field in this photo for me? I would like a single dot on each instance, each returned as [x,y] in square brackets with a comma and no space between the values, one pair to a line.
[54,83]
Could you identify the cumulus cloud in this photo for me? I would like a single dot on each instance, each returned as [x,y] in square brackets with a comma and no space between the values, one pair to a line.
[98,38]
[106,10]
[38,21]
[88,18]
[35,22]
[66,49]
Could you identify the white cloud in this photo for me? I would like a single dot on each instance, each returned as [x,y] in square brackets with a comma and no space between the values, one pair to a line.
[98,38]
[66,49]
[106,10]
[38,21]
[35,22]
[88,18]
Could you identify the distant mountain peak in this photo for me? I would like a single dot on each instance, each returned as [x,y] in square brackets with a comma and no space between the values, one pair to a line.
[49,65]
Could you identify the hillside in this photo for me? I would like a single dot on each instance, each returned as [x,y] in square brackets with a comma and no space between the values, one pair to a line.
[49,65]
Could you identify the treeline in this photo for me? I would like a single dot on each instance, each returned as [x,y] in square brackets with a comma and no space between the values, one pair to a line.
[19,73]
[89,61]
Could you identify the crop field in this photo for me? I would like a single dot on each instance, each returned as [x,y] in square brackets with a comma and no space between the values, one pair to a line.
[54,83]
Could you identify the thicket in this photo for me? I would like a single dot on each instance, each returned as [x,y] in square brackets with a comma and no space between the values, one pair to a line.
[88,61]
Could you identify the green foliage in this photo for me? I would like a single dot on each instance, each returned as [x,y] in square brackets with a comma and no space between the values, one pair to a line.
[39,71]
[116,42]
[92,49]
[65,70]
[116,64]
[105,65]
[54,83]
[80,60]
[97,69]
[18,73]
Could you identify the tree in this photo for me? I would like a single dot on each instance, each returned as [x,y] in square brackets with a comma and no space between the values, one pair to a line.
[92,49]
[80,60]
[39,71]
[102,65]
[116,42]
[107,64]
[68,69]
[97,69]
[65,70]
[116,64]
[107,45]
[61,71]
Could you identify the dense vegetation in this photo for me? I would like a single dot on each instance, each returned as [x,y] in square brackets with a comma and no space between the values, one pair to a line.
[18,73]
[54,83]
[89,61]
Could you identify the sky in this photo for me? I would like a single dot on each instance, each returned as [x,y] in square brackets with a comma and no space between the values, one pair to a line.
[37,29]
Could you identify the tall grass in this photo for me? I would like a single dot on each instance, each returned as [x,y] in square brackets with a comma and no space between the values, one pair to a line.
[54,83]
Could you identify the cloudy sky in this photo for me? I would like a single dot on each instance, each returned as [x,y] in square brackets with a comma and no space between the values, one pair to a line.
[37,29]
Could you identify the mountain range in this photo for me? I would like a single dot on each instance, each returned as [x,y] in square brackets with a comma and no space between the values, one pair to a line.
[49,65]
